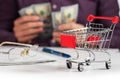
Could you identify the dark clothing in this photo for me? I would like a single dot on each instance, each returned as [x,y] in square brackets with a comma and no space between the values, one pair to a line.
[9,12]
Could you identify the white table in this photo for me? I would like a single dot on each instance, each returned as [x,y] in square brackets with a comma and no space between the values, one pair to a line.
[58,71]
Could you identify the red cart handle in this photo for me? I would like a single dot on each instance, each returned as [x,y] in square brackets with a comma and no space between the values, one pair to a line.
[114,19]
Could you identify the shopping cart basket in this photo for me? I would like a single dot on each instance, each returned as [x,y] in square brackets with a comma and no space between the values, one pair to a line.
[93,38]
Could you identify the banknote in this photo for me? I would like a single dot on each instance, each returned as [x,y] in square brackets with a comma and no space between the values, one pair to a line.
[44,12]
[21,12]
[27,11]
[56,19]
[69,13]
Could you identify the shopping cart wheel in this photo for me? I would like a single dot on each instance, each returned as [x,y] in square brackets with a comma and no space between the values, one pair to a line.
[69,64]
[87,61]
[80,67]
[108,64]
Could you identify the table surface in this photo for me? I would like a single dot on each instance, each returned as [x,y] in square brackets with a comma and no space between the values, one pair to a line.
[58,70]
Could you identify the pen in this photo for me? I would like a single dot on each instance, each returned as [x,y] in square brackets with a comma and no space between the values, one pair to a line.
[57,53]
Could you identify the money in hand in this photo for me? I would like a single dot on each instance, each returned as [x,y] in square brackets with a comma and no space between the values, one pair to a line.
[29,11]
[43,11]
[69,13]
[56,19]
[26,11]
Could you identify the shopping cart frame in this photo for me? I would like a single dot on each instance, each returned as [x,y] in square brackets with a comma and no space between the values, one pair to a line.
[99,40]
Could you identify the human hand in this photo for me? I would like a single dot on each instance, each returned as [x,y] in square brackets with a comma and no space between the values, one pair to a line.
[27,27]
[68,26]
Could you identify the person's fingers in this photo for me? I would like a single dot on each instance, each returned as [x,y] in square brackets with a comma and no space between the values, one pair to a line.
[28,26]
[26,38]
[56,39]
[29,32]
[69,26]
[24,19]
[56,36]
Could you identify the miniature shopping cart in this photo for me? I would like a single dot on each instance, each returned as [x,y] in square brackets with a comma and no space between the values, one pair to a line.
[93,38]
